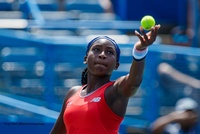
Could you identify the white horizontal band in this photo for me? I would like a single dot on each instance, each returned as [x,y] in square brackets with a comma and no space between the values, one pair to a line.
[139,54]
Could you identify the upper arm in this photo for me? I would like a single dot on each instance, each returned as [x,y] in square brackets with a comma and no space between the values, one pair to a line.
[59,126]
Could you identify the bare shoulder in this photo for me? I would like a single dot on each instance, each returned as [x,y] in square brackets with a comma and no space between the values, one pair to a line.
[71,92]
[73,89]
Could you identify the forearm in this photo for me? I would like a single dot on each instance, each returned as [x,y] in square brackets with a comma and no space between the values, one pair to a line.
[159,125]
[137,67]
[133,80]
[136,73]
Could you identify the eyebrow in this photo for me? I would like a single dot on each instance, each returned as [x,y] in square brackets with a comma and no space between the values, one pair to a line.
[107,47]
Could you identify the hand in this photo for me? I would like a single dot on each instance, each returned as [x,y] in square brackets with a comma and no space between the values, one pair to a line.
[182,117]
[146,39]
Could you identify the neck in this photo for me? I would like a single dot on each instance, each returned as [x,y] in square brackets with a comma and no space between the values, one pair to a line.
[95,82]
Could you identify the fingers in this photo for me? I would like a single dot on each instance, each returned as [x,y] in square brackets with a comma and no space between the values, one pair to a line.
[142,41]
[153,34]
[139,35]
[148,38]
[156,28]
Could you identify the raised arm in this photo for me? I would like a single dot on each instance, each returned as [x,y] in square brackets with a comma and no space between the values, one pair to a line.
[129,84]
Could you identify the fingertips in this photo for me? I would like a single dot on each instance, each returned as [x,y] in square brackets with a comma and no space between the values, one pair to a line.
[158,25]
[153,30]
[136,32]
[142,31]
[141,28]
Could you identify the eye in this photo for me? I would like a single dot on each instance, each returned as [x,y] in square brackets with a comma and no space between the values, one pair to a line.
[96,49]
[110,52]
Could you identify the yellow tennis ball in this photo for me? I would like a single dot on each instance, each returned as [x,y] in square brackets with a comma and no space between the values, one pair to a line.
[147,22]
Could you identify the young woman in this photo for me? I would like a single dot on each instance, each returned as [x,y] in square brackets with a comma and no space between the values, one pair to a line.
[98,106]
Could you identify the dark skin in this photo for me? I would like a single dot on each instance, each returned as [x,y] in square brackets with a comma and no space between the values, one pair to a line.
[101,61]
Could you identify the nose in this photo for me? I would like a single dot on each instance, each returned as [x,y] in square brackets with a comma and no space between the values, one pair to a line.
[102,55]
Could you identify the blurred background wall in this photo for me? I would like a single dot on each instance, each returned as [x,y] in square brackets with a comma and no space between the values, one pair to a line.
[43,42]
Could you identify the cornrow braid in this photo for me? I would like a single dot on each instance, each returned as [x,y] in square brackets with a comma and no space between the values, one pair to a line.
[84,77]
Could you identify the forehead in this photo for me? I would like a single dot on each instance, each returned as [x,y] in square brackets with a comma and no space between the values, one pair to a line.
[103,43]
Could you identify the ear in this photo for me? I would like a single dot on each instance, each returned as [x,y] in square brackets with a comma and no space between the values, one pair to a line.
[85,60]
[116,65]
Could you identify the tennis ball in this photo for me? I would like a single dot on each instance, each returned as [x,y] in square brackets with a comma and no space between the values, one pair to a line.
[147,22]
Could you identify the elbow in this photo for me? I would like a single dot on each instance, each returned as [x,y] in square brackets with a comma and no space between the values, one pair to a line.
[129,92]
[131,86]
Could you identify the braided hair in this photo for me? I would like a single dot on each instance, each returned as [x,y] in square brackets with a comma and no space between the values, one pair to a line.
[84,77]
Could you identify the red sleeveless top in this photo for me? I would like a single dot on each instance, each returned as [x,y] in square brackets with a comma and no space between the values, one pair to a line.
[90,114]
